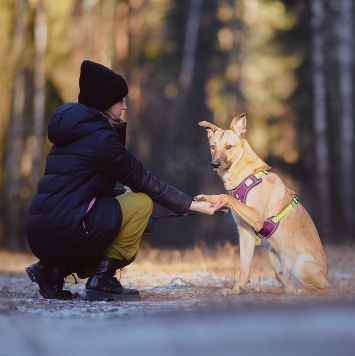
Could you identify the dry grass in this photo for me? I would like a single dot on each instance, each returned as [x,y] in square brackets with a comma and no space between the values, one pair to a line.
[15,262]
[201,266]
[186,283]
[171,280]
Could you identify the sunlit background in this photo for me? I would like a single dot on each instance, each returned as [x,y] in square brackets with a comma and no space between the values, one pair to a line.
[287,64]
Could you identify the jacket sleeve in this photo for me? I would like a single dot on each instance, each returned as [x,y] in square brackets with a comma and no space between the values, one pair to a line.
[116,161]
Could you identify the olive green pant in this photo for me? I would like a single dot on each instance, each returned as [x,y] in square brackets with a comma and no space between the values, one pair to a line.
[136,210]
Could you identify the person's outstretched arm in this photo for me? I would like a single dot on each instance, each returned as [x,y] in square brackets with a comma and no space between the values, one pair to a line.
[206,207]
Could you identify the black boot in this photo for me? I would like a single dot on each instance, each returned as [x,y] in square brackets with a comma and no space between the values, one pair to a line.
[50,280]
[102,285]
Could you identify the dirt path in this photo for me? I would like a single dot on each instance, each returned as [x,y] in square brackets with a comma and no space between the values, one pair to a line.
[182,312]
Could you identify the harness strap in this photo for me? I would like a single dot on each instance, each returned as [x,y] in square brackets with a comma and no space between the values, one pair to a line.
[240,193]
[271,224]
[261,174]
[289,207]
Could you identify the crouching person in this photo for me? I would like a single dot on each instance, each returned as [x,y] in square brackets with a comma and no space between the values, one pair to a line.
[78,221]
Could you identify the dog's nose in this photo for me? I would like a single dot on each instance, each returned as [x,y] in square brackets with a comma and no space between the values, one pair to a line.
[216,163]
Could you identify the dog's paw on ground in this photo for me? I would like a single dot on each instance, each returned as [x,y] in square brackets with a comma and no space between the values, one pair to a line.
[270,285]
[232,291]
[268,289]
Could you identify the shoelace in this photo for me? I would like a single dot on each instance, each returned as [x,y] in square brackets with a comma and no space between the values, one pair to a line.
[121,269]
[73,275]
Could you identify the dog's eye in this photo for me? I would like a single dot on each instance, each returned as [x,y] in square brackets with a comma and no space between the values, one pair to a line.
[228,147]
[213,147]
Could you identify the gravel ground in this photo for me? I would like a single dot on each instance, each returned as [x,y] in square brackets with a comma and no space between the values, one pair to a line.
[182,314]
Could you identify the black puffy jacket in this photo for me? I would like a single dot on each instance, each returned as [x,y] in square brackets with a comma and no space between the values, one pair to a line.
[85,162]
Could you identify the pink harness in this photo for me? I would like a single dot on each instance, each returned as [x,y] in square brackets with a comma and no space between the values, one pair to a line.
[241,192]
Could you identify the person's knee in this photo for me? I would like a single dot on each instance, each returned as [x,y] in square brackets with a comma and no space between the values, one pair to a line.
[146,201]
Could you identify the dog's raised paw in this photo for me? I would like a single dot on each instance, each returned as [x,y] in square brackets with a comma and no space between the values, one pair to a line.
[200,197]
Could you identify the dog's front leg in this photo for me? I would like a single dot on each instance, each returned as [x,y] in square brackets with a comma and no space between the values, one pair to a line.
[251,215]
[247,247]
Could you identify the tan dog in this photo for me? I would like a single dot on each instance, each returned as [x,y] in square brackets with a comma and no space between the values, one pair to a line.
[296,252]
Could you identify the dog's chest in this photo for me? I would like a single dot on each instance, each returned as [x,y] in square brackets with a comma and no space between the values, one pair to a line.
[239,221]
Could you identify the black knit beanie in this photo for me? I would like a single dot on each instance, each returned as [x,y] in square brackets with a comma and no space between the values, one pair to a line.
[100,87]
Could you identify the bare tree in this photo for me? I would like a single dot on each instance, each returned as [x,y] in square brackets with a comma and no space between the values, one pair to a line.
[320,117]
[12,185]
[39,93]
[175,160]
[345,58]
[188,63]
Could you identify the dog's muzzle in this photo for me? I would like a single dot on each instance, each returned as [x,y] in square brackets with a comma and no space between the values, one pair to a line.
[216,163]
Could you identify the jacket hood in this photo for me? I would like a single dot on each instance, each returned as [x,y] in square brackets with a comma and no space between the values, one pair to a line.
[72,121]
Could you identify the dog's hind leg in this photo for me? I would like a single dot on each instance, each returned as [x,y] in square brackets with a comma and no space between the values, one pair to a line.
[282,273]
[310,273]
[276,263]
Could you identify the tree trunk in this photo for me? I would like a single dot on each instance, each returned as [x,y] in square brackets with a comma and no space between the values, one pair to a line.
[175,160]
[322,169]
[188,65]
[12,198]
[108,12]
[39,95]
[345,57]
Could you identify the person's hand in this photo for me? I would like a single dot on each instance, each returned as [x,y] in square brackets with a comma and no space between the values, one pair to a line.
[206,207]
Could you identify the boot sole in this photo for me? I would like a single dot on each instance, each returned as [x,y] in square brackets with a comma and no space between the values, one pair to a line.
[95,295]
[36,276]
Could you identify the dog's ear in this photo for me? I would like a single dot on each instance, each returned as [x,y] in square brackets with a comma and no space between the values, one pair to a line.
[211,129]
[239,125]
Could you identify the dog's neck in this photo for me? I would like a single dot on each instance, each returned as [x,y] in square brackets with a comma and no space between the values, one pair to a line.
[248,164]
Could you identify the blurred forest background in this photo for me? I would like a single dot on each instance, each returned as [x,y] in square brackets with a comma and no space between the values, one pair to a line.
[288,64]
